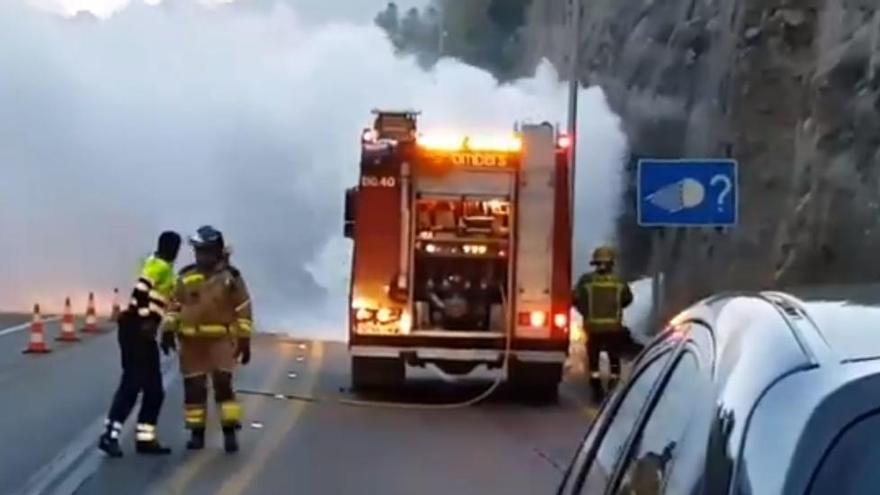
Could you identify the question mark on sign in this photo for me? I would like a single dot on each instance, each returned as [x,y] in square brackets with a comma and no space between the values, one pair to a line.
[728,185]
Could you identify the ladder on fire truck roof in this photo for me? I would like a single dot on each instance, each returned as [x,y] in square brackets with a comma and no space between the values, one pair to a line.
[402,111]
[399,125]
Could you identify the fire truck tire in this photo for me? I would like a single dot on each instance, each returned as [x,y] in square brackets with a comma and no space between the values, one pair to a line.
[536,381]
[374,373]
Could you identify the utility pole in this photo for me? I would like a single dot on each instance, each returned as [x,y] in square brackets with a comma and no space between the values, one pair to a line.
[442,33]
[574,15]
[441,43]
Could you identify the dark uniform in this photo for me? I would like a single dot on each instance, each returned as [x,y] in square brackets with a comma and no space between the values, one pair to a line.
[600,298]
[138,326]
[212,321]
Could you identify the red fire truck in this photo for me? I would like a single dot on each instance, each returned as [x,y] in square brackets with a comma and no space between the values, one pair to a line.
[462,252]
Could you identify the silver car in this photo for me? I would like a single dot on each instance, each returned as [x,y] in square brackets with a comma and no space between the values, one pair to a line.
[749,393]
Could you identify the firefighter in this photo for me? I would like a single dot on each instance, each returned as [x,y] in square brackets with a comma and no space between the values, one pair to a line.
[600,297]
[211,320]
[138,326]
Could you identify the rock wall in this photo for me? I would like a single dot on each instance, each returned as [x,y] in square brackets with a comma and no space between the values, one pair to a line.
[789,88]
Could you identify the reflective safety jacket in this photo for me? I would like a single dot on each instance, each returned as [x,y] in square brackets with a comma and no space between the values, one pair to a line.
[215,304]
[149,298]
[600,300]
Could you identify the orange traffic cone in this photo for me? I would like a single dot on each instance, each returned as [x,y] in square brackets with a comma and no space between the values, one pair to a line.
[91,317]
[37,340]
[68,331]
[114,311]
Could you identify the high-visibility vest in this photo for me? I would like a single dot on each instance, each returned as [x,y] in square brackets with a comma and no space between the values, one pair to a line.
[605,296]
[154,285]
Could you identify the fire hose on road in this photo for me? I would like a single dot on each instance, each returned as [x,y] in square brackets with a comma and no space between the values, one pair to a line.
[346,401]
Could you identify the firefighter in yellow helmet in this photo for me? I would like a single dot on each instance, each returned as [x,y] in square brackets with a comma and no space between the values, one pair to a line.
[212,321]
[600,297]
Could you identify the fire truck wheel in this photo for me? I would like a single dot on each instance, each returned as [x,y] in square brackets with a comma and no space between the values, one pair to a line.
[372,373]
[536,381]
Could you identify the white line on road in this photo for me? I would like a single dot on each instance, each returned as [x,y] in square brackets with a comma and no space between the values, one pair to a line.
[81,458]
[18,328]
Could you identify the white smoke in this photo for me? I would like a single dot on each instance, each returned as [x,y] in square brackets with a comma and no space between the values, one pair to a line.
[175,116]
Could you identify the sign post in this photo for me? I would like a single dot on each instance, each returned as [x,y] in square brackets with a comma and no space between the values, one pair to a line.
[687,193]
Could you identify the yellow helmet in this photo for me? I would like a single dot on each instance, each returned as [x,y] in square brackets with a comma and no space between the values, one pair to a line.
[603,254]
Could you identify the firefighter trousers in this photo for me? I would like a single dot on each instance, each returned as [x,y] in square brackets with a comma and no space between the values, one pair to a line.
[201,358]
[141,373]
[617,343]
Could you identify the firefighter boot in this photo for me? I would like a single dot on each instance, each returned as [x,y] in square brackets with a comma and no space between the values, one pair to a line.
[146,441]
[109,441]
[230,442]
[597,389]
[196,439]
[195,393]
[612,383]
[152,447]
[109,445]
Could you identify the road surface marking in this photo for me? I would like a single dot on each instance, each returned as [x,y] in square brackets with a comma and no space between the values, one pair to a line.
[274,436]
[190,469]
[23,326]
[585,407]
[80,459]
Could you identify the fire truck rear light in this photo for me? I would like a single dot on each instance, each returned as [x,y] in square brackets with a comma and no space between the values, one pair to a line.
[431,248]
[535,319]
[564,141]
[538,318]
[560,320]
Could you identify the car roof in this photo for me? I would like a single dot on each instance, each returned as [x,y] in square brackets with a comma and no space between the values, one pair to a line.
[847,318]
[782,355]
[816,326]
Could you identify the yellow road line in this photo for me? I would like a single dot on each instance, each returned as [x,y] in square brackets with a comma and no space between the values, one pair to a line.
[590,412]
[243,478]
[188,471]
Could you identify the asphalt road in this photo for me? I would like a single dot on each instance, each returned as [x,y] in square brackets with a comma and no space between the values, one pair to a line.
[504,445]
[47,397]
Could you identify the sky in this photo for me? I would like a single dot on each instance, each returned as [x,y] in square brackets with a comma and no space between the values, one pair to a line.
[171,117]
[313,11]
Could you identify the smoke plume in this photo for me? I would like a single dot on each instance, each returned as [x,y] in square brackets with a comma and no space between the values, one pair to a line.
[172,116]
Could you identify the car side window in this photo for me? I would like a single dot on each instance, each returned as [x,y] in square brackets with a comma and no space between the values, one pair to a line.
[850,466]
[624,419]
[661,447]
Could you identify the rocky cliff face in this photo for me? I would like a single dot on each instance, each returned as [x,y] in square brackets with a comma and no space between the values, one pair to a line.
[791,88]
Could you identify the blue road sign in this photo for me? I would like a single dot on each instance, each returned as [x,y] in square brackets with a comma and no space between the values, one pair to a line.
[687,193]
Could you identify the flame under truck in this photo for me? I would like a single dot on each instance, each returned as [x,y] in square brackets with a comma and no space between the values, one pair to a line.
[462,251]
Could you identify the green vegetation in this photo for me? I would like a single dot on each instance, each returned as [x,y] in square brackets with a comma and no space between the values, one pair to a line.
[483,33]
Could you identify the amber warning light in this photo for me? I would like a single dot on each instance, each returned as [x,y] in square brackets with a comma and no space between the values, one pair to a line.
[489,144]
